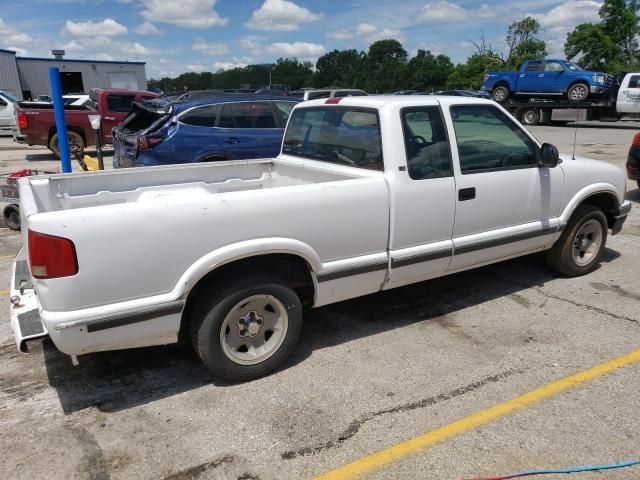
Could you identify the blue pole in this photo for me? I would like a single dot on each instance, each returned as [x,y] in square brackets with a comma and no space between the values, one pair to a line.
[61,124]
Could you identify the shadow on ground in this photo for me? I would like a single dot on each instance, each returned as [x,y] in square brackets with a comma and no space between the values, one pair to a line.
[118,380]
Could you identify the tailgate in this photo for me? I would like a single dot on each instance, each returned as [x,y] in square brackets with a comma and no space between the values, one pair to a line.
[25,311]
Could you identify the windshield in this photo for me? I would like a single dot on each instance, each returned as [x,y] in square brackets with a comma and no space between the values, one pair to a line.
[9,97]
[348,136]
[573,67]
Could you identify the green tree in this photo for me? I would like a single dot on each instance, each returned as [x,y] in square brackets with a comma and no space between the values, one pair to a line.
[611,44]
[291,72]
[338,68]
[384,66]
[594,48]
[523,42]
[470,75]
[620,23]
[428,72]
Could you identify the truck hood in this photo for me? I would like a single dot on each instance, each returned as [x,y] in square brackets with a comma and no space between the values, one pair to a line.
[587,171]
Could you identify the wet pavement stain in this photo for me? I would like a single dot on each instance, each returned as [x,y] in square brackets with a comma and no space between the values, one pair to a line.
[355,426]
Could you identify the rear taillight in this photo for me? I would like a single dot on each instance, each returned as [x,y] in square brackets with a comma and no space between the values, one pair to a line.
[636,139]
[51,257]
[144,143]
[23,120]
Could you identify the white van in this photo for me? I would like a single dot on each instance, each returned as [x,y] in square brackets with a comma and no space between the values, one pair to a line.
[7,112]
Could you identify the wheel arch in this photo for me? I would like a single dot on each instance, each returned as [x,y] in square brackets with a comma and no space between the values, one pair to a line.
[606,199]
[71,128]
[295,265]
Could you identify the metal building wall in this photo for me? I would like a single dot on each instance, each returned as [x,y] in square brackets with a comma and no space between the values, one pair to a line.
[34,73]
[9,80]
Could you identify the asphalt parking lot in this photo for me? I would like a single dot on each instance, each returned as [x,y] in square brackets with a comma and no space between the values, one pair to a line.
[368,374]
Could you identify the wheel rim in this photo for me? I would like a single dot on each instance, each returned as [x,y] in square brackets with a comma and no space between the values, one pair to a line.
[499,94]
[578,93]
[530,117]
[14,219]
[587,242]
[254,329]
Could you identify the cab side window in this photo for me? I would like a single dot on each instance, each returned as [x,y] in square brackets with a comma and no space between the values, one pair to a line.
[634,81]
[533,66]
[426,143]
[489,140]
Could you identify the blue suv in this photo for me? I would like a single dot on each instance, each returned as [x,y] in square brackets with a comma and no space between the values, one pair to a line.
[158,132]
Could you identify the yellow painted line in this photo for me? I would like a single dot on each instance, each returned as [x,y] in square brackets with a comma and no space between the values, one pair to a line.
[388,455]
[7,257]
[4,292]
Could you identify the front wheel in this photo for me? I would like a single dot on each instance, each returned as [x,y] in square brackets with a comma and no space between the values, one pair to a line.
[580,247]
[578,92]
[247,328]
[531,116]
[500,94]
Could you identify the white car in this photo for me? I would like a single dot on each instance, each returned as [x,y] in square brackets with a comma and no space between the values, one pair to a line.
[368,194]
[7,112]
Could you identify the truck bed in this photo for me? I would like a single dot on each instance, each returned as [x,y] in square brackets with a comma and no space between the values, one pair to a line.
[66,192]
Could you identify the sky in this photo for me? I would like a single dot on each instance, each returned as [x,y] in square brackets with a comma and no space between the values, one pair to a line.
[177,36]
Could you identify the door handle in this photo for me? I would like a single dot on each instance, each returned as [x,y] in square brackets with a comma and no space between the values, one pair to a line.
[466,194]
[232,140]
[109,118]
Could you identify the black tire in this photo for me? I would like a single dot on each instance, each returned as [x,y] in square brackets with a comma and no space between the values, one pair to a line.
[12,216]
[500,94]
[216,301]
[75,142]
[561,256]
[578,92]
[530,116]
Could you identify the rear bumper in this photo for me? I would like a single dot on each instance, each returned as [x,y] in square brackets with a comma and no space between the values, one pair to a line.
[620,217]
[26,323]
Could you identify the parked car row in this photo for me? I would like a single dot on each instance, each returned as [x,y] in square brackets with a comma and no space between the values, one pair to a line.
[224,128]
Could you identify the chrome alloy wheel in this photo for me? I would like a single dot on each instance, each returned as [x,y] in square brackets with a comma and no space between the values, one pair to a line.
[587,242]
[254,329]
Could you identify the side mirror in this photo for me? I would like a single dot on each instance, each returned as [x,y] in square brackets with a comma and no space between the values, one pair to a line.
[548,156]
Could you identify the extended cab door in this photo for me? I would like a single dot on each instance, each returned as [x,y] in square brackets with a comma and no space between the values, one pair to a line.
[554,78]
[505,204]
[629,94]
[422,198]
[529,79]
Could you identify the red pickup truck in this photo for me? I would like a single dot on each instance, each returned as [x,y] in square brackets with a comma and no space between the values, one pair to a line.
[36,124]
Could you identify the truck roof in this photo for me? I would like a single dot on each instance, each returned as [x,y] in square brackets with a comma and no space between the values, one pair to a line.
[379,101]
[122,91]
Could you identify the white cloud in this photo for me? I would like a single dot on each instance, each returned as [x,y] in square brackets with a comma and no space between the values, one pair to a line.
[20,52]
[342,34]
[147,28]
[4,28]
[209,48]
[441,12]
[196,67]
[136,48]
[296,49]
[569,14]
[281,15]
[183,13]
[19,39]
[107,27]
[365,29]
[372,33]
[235,63]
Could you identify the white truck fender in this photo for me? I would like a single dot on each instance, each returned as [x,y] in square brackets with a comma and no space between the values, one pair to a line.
[584,193]
[240,250]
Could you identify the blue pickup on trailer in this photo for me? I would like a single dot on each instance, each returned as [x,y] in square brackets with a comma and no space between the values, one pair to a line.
[548,77]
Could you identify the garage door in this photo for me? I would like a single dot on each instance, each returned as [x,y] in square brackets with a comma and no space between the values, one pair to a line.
[126,80]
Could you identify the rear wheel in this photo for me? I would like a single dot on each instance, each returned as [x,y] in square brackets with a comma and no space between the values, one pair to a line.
[578,92]
[76,144]
[580,247]
[246,328]
[530,116]
[500,94]
[12,216]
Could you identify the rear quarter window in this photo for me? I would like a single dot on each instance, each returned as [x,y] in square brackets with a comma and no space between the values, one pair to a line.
[633,81]
[201,116]
[341,135]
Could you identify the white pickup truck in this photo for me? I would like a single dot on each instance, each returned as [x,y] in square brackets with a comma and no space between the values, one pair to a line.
[368,194]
